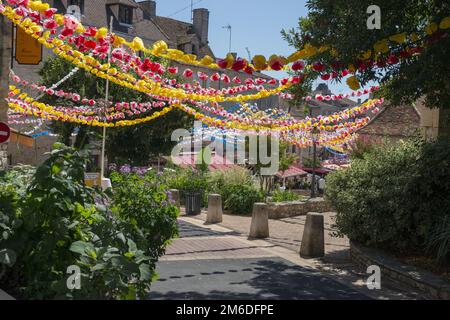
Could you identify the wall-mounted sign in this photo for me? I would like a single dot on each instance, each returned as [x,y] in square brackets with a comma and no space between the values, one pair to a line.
[5,132]
[92,179]
[28,50]
[74,11]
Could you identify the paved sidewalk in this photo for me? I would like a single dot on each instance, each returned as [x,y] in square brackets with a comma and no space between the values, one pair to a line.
[216,262]
[288,233]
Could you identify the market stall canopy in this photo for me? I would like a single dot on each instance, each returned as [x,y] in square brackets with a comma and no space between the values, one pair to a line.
[216,163]
[293,171]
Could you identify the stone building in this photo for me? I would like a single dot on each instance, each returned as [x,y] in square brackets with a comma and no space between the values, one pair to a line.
[317,108]
[131,19]
[139,19]
[394,123]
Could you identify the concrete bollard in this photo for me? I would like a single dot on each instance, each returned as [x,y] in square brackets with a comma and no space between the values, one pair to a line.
[214,209]
[175,196]
[313,242]
[259,228]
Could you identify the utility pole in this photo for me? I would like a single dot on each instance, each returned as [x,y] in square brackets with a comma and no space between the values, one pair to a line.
[229,29]
[249,54]
[192,11]
[102,172]
[5,63]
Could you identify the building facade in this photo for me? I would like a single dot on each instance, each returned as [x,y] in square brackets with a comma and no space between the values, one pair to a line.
[395,123]
[131,19]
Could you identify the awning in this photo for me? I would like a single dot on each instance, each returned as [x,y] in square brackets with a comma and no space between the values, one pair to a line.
[216,163]
[293,171]
[318,171]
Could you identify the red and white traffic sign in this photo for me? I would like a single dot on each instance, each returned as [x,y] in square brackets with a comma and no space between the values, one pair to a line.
[5,132]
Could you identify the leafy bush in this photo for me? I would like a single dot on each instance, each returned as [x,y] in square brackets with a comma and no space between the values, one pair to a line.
[12,189]
[396,197]
[239,199]
[115,242]
[217,180]
[186,180]
[236,188]
[283,196]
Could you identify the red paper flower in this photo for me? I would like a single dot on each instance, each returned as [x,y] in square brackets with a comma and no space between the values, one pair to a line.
[215,77]
[50,24]
[188,73]
[317,66]
[345,73]
[298,65]
[172,70]
[226,78]
[276,65]
[90,44]
[392,59]
[66,32]
[325,76]
[49,12]
[249,70]
[90,32]
[222,63]
[239,64]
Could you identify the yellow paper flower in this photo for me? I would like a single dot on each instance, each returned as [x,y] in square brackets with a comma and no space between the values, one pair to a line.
[353,83]
[414,37]
[260,62]
[101,33]
[59,18]
[381,46]
[137,44]
[431,28]
[399,38]
[206,61]
[366,55]
[445,23]
[118,41]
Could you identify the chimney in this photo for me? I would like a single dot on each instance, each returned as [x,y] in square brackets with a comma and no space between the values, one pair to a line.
[201,24]
[149,9]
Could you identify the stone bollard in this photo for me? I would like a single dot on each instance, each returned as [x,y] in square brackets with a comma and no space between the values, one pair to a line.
[175,196]
[313,242]
[214,209]
[259,228]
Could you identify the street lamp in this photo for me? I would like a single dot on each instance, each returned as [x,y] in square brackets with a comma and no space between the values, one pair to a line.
[314,137]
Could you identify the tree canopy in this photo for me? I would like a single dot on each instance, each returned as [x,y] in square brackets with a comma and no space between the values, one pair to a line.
[342,24]
[133,145]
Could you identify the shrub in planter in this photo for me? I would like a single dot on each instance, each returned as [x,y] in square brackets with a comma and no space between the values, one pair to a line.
[395,197]
[283,196]
[239,199]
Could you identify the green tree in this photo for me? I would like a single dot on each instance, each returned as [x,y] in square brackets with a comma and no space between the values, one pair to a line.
[134,145]
[342,24]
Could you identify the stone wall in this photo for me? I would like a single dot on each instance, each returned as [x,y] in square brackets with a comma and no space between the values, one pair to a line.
[34,156]
[427,282]
[297,208]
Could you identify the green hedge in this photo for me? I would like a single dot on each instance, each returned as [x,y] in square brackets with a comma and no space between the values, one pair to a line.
[397,197]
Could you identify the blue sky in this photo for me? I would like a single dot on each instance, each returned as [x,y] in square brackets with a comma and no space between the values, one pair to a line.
[256,25]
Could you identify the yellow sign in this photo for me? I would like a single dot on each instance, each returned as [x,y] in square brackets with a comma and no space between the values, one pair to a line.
[92,179]
[21,139]
[28,49]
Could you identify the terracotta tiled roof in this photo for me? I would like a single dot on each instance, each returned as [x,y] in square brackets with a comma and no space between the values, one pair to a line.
[174,28]
[293,171]
[130,3]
